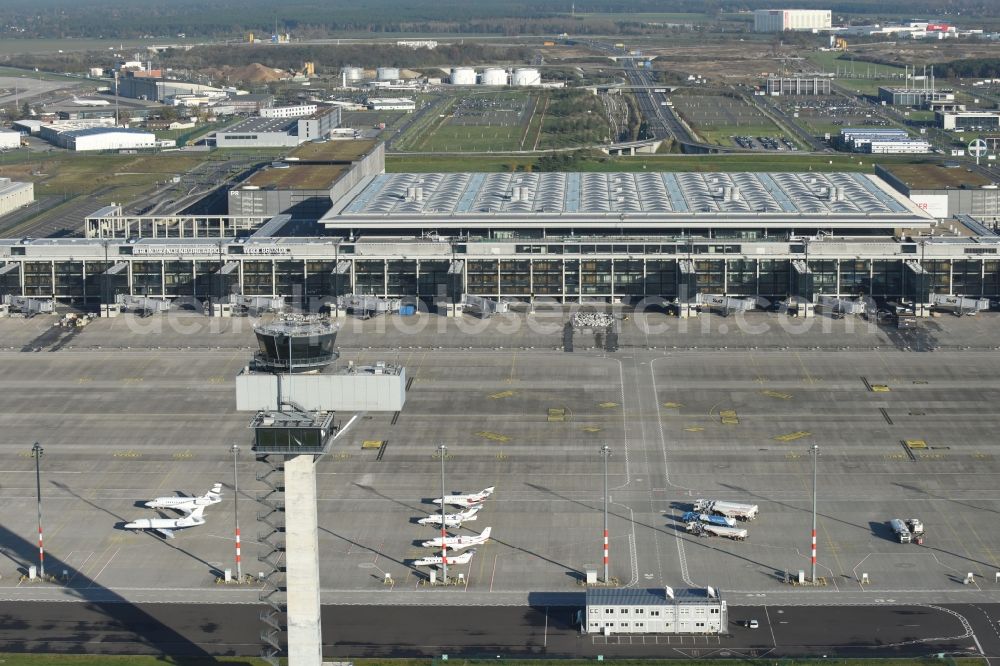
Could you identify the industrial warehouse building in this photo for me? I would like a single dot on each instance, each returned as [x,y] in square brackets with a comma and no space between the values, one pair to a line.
[568,237]
[106,138]
[14,195]
[913,96]
[160,90]
[779,20]
[967,120]
[654,611]
[9,140]
[279,132]
[798,85]
[391,104]
[946,192]
[300,111]
[881,141]
[306,184]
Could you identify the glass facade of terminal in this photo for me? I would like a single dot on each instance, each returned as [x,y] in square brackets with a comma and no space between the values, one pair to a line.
[561,276]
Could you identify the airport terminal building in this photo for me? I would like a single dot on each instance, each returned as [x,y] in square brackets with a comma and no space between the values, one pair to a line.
[568,237]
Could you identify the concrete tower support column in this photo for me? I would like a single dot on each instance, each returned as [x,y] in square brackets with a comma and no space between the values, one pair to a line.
[305,633]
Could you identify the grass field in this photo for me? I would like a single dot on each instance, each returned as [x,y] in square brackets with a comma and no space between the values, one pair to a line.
[755,162]
[831,61]
[474,122]
[31,74]
[508,121]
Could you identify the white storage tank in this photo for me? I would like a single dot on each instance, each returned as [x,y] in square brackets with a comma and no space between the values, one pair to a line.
[494,76]
[353,73]
[387,73]
[526,76]
[463,76]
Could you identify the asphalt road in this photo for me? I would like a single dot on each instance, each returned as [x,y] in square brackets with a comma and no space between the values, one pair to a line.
[421,631]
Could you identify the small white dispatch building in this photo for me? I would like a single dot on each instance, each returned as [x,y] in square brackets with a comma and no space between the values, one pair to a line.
[654,611]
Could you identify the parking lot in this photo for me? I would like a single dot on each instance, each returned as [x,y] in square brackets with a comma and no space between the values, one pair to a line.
[730,121]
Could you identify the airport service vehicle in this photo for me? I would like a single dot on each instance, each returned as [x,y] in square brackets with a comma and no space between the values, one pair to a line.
[721,521]
[185,503]
[464,558]
[901,530]
[916,530]
[90,102]
[451,519]
[737,510]
[166,526]
[707,529]
[470,499]
[458,542]
[753,624]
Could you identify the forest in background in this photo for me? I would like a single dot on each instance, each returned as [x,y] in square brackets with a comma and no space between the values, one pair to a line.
[113,19]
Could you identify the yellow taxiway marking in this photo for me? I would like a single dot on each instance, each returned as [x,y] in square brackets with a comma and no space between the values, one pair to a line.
[502,394]
[672,405]
[556,414]
[792,436]
[493,436]
[776,394]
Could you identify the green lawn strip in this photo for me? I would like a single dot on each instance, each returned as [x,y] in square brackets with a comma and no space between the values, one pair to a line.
[421,131]
[8,659]
[785,161]
[122,660]
[473,138]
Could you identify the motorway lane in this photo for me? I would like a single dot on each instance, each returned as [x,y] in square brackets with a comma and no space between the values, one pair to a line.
[401,631]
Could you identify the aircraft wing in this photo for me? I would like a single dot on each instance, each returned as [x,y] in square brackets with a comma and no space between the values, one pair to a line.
[167,534]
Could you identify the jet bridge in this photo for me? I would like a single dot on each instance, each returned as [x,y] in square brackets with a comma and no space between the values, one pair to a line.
[843,306]
[142,305]
[959,305]
[255,305]
[803,292]
[486,307]
[916,287]
[368,306]
[725,304]
[687,284]
[27,307]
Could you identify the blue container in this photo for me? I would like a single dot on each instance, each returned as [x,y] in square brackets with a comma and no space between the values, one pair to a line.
[408,310]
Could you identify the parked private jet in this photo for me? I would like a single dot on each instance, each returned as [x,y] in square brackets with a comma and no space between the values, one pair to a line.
[166,526]
[451,519]
[464,558]
[187,504]
[468,500]
[458,542]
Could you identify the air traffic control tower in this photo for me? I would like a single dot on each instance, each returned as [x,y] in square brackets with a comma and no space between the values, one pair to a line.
[296,389]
